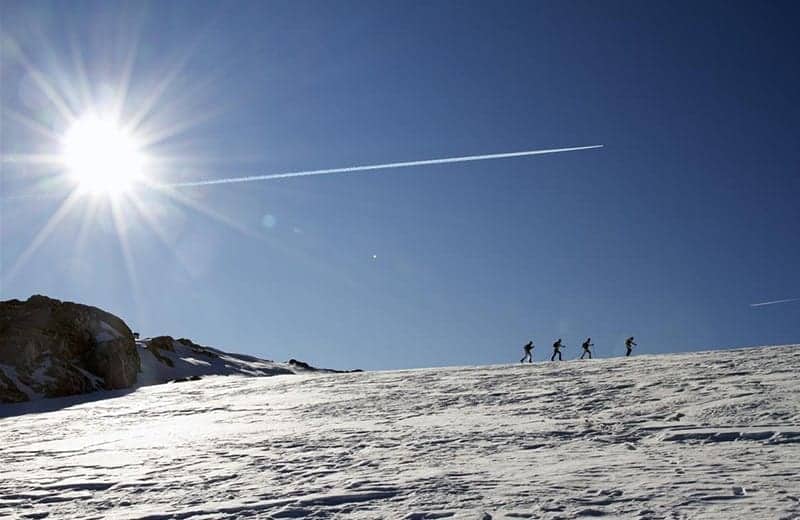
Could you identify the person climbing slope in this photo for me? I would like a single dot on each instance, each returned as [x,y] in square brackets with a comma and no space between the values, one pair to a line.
[629,344]
[586,344]
[528,347]
[556,350]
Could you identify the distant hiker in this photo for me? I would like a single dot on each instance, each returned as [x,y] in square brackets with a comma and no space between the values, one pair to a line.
[528,347]
[586,344]
[629,344]
[556,350]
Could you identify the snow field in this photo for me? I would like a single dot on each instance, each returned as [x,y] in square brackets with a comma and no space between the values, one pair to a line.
[705,435]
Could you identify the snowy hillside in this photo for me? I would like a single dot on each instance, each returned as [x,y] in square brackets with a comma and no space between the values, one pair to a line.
[706,435]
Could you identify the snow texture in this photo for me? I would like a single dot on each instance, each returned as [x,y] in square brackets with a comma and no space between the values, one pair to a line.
[704,435]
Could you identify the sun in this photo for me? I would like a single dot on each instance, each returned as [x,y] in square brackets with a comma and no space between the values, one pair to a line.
[101,156]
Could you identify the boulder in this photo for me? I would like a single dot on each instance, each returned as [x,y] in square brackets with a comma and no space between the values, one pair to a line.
[302,365]
[50,348]
[159,344]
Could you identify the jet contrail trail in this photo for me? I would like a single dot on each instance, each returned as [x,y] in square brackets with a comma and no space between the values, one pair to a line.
[386,166]
[775,302]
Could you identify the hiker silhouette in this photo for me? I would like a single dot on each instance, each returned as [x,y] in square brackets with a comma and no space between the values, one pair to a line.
[586,344]
[557,350]
[528,347]
[629,344]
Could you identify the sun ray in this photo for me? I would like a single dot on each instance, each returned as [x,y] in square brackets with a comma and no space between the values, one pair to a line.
[31,158]
[81,75]
[152,224]
[31,196]
[59,80]
[162,132]
[137,119]
[152,137]
[214,215]
[89,213]
[31,124]
[125,248]
[173,71]
[43,234]
[124,82]
[47,89]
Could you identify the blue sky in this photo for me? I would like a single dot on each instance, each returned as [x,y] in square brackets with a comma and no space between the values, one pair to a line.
[687,216]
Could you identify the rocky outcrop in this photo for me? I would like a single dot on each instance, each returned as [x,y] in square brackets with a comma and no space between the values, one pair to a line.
[158,345]
[302,365]
[9,393]
[165,360]
[50,348]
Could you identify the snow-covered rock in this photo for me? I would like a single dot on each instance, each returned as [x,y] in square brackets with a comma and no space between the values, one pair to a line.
[300,367]
[711,435]
[50,348]
[165,359]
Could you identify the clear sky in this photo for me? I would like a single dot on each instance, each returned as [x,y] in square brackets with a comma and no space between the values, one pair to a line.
[687,216]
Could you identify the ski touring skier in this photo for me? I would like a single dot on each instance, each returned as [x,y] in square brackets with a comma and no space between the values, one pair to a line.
[586,344]
[528,347]
[556,350]
[629,344]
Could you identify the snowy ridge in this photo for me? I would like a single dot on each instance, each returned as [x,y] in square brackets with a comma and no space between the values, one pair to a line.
[704,435]
[165,359]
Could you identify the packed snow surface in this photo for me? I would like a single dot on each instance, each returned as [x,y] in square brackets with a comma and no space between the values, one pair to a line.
[706,435]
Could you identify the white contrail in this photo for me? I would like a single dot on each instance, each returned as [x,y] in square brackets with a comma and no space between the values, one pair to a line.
[774,302]
[350,169]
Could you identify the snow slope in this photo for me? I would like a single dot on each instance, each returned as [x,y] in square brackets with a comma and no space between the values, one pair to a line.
[704,435]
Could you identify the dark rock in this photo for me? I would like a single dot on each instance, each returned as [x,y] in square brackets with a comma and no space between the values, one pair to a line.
[197,349]
[186,379]
[56,348]
[305,366]
[157,345]
[161,343]
[301,364]
[9,393]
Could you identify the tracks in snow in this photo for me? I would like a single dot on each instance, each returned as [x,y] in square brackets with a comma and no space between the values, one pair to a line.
[714,435]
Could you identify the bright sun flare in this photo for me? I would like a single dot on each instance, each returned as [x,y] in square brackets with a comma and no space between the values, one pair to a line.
[101,156]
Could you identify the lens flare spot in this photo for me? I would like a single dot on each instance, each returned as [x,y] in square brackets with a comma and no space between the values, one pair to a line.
[269,221]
